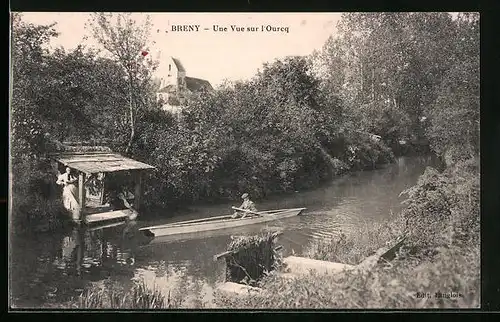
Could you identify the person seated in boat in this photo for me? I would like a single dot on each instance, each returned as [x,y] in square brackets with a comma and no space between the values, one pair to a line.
[247,205]
[121,198]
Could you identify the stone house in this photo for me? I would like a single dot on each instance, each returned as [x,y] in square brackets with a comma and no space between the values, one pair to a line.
[175,86]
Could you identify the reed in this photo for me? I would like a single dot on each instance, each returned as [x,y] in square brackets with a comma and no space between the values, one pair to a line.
[362,241]
[139,296]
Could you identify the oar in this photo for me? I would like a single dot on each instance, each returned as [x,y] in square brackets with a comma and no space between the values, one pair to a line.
[186,222]
[248,211]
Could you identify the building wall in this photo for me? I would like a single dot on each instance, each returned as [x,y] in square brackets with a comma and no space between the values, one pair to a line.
[169,74]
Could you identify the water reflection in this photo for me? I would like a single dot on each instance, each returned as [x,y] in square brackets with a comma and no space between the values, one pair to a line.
[96,252]
[66,262]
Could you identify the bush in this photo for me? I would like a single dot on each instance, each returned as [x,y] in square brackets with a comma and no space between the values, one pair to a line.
[35,203]
[364,153]
[443,208]
[266,135]
[254,257]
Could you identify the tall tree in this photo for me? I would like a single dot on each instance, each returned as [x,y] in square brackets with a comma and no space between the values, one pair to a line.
[28,60]
[454,115]
[126,40]
[391,65]
[86,96]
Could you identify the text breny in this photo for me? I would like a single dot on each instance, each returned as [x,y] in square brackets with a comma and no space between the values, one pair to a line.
[185,28]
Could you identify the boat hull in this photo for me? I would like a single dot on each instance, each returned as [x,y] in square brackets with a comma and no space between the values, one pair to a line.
[109,216]
[241,230]
[223,223]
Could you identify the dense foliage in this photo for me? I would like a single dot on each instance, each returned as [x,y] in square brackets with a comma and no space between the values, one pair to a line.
[254,136]
[443,208]
[57,96]
[404,74]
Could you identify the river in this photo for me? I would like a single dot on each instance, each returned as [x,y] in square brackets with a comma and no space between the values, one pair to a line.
[49,269]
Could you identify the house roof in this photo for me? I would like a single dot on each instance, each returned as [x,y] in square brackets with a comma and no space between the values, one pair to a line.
[95,162]
[196,84]
[166,89]
[178,63]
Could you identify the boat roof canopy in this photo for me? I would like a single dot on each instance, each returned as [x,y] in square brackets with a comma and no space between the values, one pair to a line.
[99,162]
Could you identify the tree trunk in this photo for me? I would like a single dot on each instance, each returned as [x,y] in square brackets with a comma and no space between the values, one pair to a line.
[373,85]
[361,77]
[132,120]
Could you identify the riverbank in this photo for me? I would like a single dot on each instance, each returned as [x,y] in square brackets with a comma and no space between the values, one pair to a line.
[450,280]
[436,268]
[439,266]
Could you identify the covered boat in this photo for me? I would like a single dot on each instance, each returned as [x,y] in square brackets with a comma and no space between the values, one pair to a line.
[90,173]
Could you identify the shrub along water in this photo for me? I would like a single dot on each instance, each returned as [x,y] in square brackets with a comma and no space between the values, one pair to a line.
[443,208]
[274,133]
[253,258]
[35,205]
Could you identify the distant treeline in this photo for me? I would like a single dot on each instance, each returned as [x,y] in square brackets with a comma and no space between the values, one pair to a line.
[298,122]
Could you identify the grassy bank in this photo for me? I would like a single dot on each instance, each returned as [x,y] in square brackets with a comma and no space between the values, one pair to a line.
[454,273]
[113,295]
[441,257]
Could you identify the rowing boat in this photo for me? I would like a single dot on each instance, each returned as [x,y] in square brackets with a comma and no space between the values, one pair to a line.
[220,222]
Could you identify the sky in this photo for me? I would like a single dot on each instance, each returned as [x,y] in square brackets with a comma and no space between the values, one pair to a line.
[209,54]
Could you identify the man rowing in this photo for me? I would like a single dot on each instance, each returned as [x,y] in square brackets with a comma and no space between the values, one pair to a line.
[246,205]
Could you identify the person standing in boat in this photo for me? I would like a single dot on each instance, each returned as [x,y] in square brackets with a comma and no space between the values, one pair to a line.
[70,191]
[247,205]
